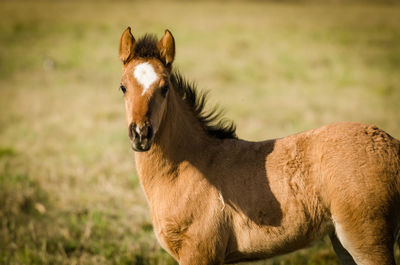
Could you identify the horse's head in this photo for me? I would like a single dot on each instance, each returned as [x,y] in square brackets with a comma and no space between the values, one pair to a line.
[145,84]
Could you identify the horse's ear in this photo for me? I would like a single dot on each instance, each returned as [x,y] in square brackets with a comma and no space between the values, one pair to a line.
[126,46]
[166,46]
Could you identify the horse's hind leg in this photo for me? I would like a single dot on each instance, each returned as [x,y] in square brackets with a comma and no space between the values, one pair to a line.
[367,243]
[344,256]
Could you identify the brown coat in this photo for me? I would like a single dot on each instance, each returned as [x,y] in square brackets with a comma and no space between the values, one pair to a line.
[217,200]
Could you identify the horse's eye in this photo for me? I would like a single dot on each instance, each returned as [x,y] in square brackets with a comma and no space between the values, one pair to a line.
[164,90]
[123,88]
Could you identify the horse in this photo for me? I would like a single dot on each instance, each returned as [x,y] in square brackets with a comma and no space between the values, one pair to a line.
[217,199]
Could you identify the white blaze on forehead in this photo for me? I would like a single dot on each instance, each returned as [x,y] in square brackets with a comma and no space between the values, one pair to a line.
[145,75]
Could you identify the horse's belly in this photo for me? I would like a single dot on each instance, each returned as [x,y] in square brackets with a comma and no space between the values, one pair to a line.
[253,242]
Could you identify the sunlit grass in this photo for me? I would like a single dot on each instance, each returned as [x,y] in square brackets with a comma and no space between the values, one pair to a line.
[69,193]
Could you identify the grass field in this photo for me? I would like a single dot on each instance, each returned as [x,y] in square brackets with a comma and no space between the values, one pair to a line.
[69,193]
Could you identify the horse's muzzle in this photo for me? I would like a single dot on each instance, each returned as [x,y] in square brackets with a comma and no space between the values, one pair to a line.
[141,137]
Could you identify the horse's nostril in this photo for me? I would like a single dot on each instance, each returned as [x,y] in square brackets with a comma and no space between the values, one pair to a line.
[141,133]
[132,131]
[147,131]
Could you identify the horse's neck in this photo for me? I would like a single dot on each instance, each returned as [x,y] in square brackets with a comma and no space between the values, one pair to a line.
[179,139]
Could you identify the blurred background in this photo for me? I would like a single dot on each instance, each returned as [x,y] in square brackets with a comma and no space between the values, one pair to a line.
[69,192]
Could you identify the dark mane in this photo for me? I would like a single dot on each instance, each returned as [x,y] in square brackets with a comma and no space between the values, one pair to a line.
[212,121]
[146,47]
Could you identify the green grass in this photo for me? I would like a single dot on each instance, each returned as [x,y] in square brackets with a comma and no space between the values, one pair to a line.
[69,193]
